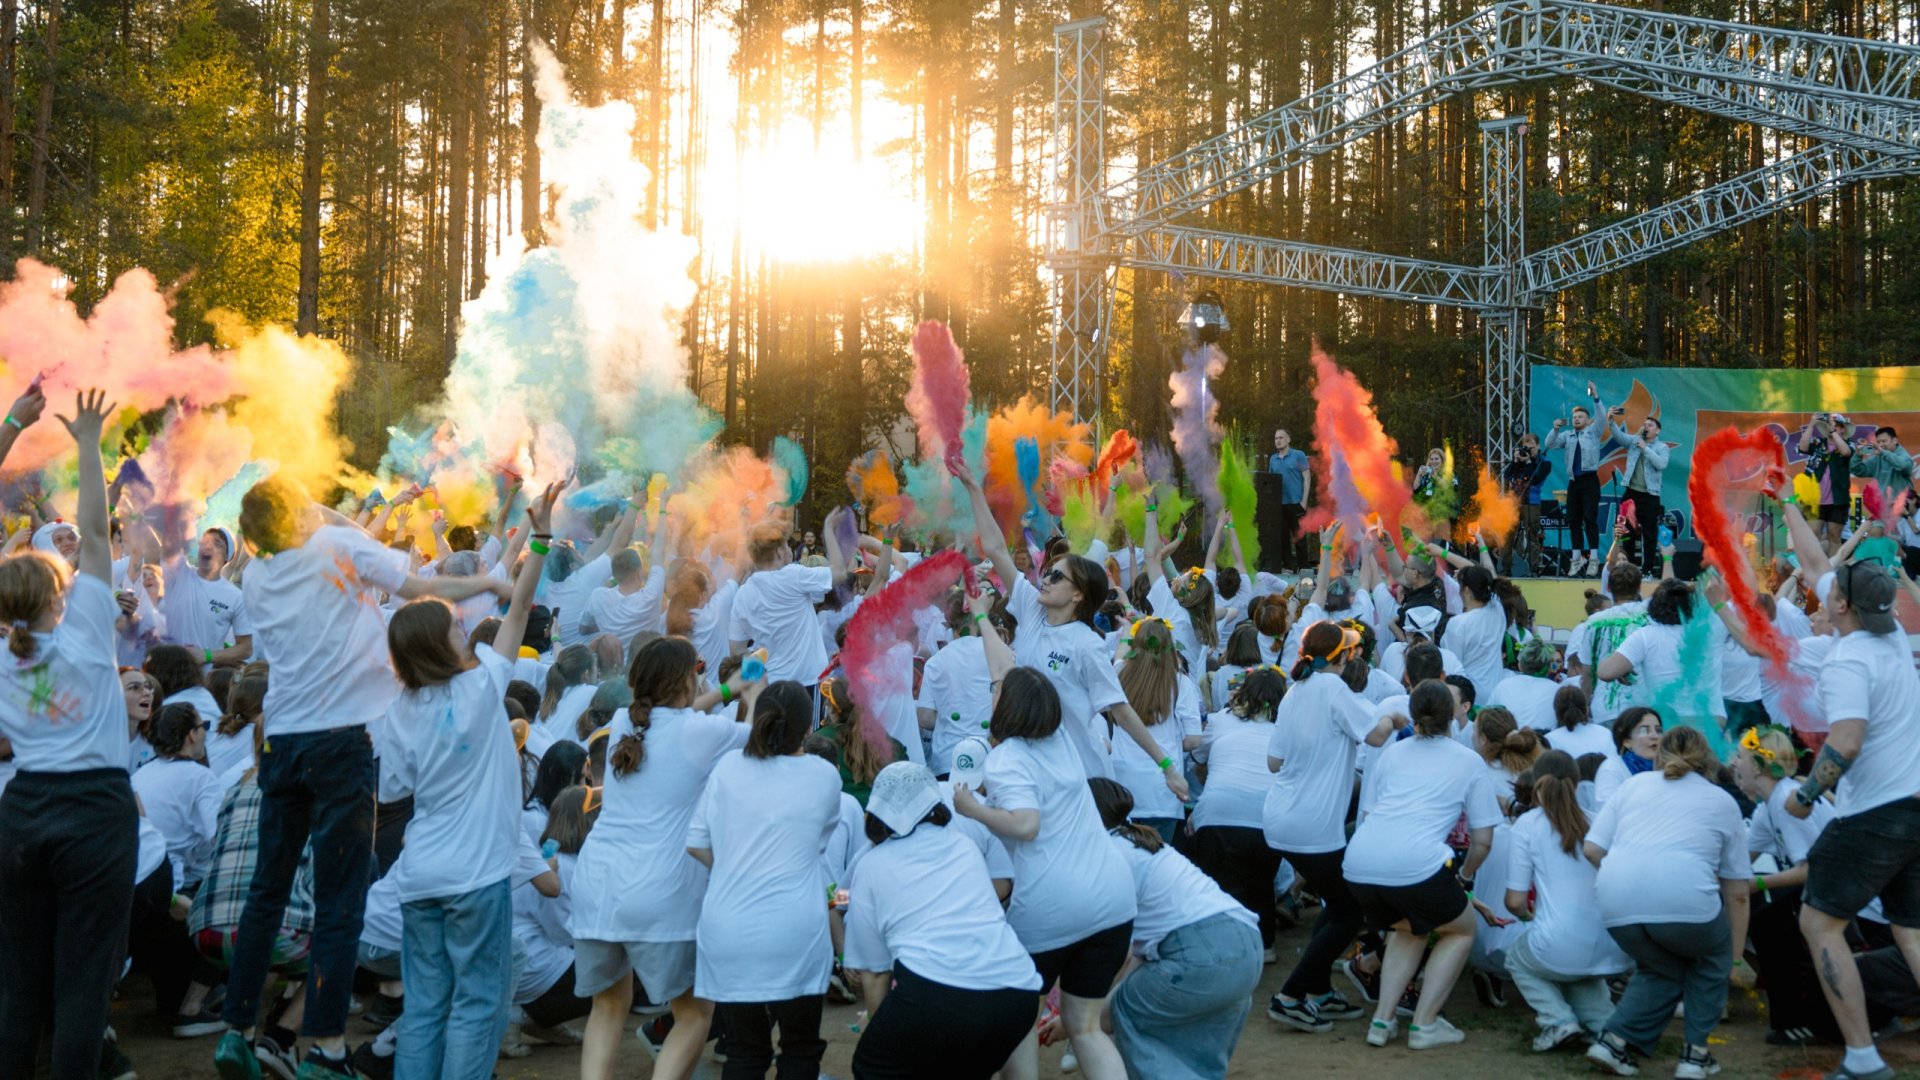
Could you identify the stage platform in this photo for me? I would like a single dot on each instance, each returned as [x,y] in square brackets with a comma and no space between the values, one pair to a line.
[1558,603]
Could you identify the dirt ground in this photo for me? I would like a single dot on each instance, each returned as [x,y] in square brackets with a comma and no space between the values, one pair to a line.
[1496,1046]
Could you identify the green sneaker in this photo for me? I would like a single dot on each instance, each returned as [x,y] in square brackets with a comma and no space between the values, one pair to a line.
[317,1066]
[233,1059]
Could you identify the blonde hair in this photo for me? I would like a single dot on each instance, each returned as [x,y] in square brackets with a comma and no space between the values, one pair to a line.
[1770,750]
[1150,675]
[30,583]
[861,759]
[1684,750]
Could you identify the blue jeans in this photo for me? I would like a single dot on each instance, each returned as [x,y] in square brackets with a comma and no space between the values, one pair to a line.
[458,966]
[315,785]
[1675,963]
[1179,1016]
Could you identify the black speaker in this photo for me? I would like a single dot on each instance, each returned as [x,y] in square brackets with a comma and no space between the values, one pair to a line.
[1686,561]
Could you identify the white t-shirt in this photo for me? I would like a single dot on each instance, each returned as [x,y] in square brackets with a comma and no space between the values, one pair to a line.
[451,748]
[381,925]
[1069,882]
[1870,677]
[1381,686]
[1393,661]
[956,685]
[316,619]
[182,800]
[774,610]
[224,752]
[895,706]
[1151,797]
[1806,659]
[1791,620]
[709,633]
[763,932]
[924,900]
[1413,795]
[1076,661]
[1318,728]
[1739,672]
[540,925]
[1171,893]
[1597,638]
[63,708]
[1655,650]
[1528,697]
[1613,772]
[1237,778]
[1566,935]
[1587,738]
[1477,637]
[634,880]
[1668,844]
[201,614]
[568,598]
[624,615]
[563,723]
[1778,833]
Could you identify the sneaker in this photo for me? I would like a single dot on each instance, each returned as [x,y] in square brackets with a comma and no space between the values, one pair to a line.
[1438,1033]
[371,1065]
[1695,1064]
[1611,1052]
[1595,565]
[114,1065]
[557,1035]
[1336,1007]
[1555,1037]
[384,1010]
[512,1045]
[644,1005]
[1367,983]
[318,1066]
[1578,564]
[1409,1002]
[1490,989]
[1286,912]
[1068,1062]
[653,1035]
[204,1022]
[1792,1037]
[1884,1072]
[1300,1015]
[1267,958]
[1381,1032]
[274,1058]
[233,1059]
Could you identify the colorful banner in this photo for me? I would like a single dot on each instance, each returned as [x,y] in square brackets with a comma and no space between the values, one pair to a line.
[1692,403]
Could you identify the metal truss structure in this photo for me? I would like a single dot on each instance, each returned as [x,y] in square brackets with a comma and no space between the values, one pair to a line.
[1856,102]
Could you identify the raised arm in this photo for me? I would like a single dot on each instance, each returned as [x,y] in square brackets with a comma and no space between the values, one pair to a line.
[1156,560]
[509,491]
[619,536]
[1806,546]
[26,409]
[90,411]
[993,544]
[1220,526]
[1323,577]
[1239,550]
[999,655]
[513,625]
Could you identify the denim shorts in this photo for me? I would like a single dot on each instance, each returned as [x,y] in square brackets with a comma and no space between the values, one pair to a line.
[1869,854]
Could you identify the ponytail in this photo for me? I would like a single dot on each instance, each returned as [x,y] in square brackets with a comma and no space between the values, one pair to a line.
[244,704]
[1144,838]
[658,676]
[1115,803]
[631,750]
[29,584]
[1556,797]
[1570,707]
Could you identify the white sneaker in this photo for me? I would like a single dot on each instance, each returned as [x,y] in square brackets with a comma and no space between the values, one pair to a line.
[1069,1063]
[1551,1038]
[1438,1033]
[1381,1032]
[1595,565]
[1578,564]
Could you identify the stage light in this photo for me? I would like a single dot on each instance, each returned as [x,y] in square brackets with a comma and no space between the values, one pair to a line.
[1204,318]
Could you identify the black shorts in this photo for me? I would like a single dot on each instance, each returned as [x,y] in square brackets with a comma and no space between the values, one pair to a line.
[1425,905]
[1835,512]
[1861,856]
[1087,968]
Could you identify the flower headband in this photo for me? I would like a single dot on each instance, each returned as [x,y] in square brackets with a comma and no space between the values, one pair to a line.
[1133,635]
[1777,765]
[1235,681]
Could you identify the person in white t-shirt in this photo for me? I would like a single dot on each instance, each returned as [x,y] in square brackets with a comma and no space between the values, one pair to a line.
[448,745]
[632,603]
[1182,1002]
[1574,730]
[1169,704]
[956,692]
[1402,872]
[314,595]
[141,694]
[1242,653]
[1478,634]
[182,681]
[179,794]
[1672,891]
[764,946]
[1186,602]
[1687,694]
[1056,638]
[1317,733]
[68,821]
[773,610]
[1229,840]
[1871,695]
[1073,904]
[1561,963]
[571,577]
[1527,691]
[571,683]
[948,986]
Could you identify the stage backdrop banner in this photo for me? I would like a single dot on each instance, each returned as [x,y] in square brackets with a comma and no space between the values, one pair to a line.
[1692,403]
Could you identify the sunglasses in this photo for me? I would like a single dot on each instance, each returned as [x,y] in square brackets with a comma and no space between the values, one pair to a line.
[1052,576]
[699,667]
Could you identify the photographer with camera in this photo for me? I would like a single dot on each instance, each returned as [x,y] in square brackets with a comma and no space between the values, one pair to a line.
[1884,461]
[1828,452]
[1646,460]
[1523,478]
[1584,444]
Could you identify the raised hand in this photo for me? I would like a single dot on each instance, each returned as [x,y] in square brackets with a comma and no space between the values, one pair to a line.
[90,412]
[540,510]
[28,406]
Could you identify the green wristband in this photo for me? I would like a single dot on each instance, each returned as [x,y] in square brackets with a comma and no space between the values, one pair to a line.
[1166,763]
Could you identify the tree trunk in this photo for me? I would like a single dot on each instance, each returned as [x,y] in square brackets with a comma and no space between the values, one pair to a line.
[532,214]
[656,113]
[482,110]
[42,131]
[460,118]
[312,167]
[9,91]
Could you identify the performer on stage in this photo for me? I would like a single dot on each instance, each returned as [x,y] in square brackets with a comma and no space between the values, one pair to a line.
[1829,454]
[1436,492]
[1583,443]
[1296,489]
[1646,459]
[1522,478]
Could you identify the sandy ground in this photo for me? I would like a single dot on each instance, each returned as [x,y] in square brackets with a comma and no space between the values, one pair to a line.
[1496,1046]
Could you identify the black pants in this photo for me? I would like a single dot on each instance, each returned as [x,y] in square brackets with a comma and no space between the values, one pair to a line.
[1291,541]
[748,1043]
[1240,862]
[389,831]
[925,1029]
[1583,514]
[1646,510]
[315,784]
[1794,999]
[68,845]
[1339,921]
[158,944]
[559,1004]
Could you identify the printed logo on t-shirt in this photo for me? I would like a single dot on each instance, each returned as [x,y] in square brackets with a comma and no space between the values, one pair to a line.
[1057,661]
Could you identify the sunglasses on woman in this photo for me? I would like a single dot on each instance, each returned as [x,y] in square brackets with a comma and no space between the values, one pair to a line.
[1053,575]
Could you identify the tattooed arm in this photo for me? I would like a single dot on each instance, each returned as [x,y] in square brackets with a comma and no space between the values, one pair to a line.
[1836,757]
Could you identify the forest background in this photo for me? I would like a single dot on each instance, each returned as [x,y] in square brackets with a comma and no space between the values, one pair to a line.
[849,167]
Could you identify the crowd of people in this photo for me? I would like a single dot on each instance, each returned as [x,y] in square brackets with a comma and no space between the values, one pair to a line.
[534,788]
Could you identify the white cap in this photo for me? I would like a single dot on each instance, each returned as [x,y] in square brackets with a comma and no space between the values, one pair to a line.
[902,795]
[969,762]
